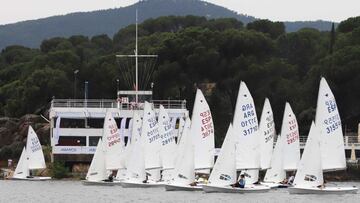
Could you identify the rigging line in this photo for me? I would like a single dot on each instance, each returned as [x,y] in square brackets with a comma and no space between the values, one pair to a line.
[127,73]
[144,71]
[124,71]
[148,69]
[121,71]
[149,73]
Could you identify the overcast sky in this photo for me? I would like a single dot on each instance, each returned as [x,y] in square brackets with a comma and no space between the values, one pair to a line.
[276,10]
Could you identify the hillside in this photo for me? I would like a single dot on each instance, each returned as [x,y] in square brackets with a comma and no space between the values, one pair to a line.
[32,33]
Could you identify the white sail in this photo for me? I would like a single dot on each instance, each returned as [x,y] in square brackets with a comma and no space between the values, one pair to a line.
[309,173]
[224,171]
[34,151]
[113,144]
[202,131]
[276,173]
[180,129]
[329,123]
[136,163]
[97,170]
[290,135]
[245,126]
[267,134]
[251,176]
[22,170]
[151,138]
[168,145]
[184,172]
[181,143]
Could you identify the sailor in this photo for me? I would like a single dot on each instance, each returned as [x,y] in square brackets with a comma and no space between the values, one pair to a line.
[291,179]
[240,183]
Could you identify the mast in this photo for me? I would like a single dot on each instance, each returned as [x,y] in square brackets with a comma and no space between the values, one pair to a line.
[136,56]
[136,60]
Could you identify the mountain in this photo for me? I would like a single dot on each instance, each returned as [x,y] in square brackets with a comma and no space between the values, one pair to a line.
[32,33]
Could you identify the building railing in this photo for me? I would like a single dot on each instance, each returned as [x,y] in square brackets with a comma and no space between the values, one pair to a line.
[348,141]
[109,103]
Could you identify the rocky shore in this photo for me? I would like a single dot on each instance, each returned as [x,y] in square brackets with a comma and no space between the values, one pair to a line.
[13,133]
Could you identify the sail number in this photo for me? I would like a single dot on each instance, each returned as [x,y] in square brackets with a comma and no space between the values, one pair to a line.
[114,136]
[293,136]
[35,144]
[250,124]
[331,105]
[207,127]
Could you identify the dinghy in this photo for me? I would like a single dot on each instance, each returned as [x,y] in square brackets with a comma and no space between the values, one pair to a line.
[267,134]
[247,136]
[168,145]
[324,149]
[145,164]
[184,172]
[240,150]
[97,173]
[201,140]
[276,174]
[287,155]
[224,172]
[109,155]
[129,150]
[309,177]
[32,158]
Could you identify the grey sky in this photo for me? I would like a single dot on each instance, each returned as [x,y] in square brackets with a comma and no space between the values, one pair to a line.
[290,10]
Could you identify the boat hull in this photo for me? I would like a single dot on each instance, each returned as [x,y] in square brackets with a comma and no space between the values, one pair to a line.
[100,183]
[275,185]
[229,189]
[326,190]
[172,187]
[126,184]
[33,178]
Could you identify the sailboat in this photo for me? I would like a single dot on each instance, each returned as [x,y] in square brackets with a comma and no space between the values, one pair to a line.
[223,176]
[168,144]
[266,140]
[184,172]
[287,149]
[129,150]
[201,141]
[145,164]
[276,174]
[31,158]
[108,155]
[245,136]
[324,150]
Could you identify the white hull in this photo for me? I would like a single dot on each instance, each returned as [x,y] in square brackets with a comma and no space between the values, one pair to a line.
[127,184]
[326,190]
[100,183]
[172,187]
[229,189]
[33,178]
[275,185]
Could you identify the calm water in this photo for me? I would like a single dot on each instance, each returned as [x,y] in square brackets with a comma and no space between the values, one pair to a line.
[74,191]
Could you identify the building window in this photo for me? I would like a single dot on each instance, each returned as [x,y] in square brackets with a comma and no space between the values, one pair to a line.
[72,141]
[93,140]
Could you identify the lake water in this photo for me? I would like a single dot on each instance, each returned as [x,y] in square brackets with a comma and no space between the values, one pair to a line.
[74,191]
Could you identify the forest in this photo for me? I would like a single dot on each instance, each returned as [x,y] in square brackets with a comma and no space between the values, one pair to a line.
[194,52]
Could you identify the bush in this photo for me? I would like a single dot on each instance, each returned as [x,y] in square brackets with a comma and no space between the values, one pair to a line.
[58,170]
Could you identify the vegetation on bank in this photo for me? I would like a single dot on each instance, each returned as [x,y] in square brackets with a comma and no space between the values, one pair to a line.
[195,51]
